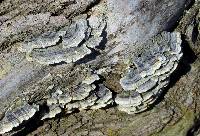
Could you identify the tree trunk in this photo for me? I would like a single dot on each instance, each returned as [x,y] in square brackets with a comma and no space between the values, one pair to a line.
[86,67]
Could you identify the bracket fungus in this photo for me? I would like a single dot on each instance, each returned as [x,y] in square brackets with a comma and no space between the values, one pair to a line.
[67,68]
[69,44]
[16,116]
[151,72]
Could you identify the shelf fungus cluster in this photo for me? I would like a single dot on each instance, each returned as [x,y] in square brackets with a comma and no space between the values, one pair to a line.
[143,82]
[85,95]
[144,79]
[69,44]
[16,116]
[67,69]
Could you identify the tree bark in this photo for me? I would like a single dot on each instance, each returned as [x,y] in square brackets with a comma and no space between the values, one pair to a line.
[125,29]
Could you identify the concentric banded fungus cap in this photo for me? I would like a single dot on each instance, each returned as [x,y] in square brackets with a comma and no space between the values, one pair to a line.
[15,117]
[151,73]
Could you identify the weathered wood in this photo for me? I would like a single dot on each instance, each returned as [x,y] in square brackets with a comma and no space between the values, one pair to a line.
[60,57]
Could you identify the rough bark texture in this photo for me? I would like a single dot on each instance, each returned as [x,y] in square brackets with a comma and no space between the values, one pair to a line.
[126,29]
